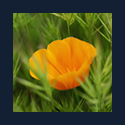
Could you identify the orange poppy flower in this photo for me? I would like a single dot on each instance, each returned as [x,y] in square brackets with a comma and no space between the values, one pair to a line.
[66,60]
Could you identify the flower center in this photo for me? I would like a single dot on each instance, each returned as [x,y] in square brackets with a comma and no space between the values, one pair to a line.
[73,70]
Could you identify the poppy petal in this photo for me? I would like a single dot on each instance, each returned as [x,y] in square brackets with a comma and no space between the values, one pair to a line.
[63,82]
[59,54]
[81,51]
[69,80]
[40,57]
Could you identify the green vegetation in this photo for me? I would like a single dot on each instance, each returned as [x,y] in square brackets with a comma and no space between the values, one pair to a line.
[33,31]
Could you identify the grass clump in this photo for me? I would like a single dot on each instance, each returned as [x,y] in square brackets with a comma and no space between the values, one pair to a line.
[33,31]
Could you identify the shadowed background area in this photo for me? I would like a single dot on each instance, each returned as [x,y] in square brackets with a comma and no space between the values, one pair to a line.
[34,31]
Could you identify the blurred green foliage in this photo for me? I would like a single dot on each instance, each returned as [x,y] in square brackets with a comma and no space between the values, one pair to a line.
[33,31]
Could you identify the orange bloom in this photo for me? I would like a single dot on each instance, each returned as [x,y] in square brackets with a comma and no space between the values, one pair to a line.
[66,60]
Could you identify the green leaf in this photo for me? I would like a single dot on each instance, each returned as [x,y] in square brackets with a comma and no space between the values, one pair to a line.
[103,35]
[70,19]
[86,97]
[29,84]
[89,89]
[42,95]
[80,21]
[104,24]
[78,107]
[59,15]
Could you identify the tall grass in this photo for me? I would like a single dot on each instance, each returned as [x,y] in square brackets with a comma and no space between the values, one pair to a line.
[33,31]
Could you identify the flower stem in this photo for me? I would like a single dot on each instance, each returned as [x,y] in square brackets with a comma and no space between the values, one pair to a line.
[68,29]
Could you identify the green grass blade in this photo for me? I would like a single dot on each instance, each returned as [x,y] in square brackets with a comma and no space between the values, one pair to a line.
[80,21]
[104,24]
[103,35]
[29,84]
